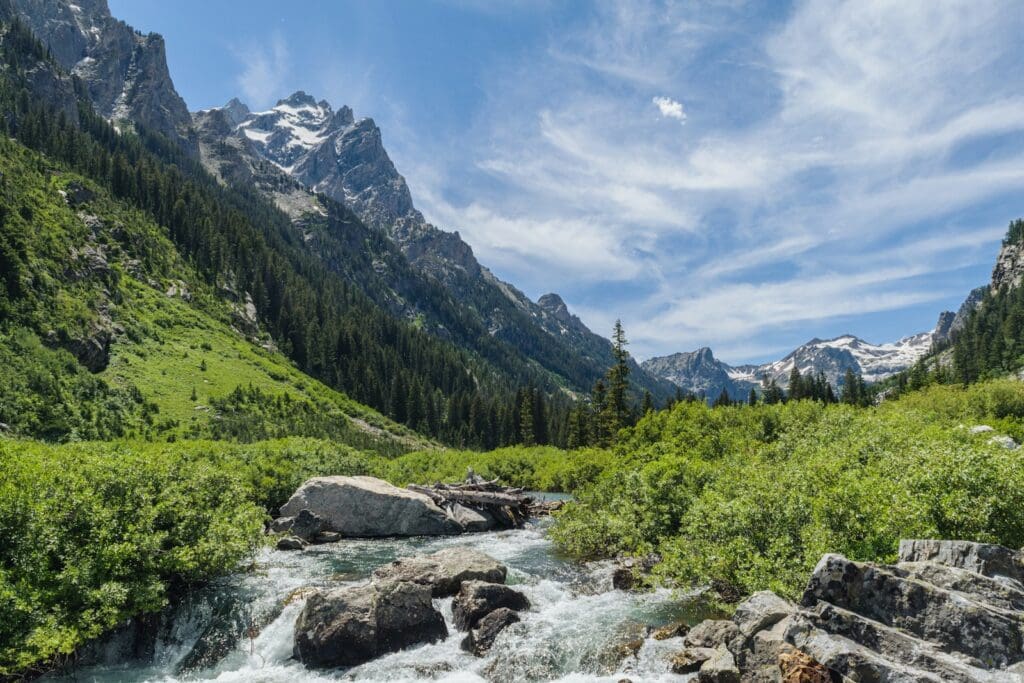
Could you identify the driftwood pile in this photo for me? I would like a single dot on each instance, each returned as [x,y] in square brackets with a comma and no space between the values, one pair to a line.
[510,507]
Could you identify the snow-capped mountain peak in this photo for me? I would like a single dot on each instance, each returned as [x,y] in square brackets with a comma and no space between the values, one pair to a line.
[699,372]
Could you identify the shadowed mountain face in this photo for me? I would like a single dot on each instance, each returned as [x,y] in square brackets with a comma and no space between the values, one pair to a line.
[332,153]
[125,72]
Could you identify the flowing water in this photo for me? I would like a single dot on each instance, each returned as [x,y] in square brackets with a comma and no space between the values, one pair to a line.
[578,629]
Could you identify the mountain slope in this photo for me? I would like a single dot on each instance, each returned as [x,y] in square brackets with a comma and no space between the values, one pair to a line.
[96,281]
[343,158]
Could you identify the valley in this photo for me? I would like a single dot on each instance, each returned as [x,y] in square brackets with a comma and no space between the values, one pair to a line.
[252,400]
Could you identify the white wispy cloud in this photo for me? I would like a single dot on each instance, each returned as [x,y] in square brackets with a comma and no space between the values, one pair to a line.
[265,70]
[828,157]
[669,108]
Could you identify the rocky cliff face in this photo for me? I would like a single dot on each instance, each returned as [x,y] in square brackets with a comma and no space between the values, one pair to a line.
[125,72]
[1009,268]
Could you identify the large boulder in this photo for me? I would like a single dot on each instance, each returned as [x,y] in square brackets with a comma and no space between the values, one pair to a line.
[370,507]
[445,570]
[477,599]
[349,626]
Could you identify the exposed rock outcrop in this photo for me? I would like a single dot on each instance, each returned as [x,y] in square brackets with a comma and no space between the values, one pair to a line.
[349,626]
[948,611]
[125,72]
[482,636]
[444,571]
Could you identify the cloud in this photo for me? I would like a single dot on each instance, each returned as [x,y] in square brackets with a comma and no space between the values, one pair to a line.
[265,70]
[848,159]
[670,108]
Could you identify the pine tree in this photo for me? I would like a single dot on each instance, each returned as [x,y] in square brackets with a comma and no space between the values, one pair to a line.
[752,397]
[648,404]
[526,419]
[723,399]
[796,384]
[616,405]
[850,387]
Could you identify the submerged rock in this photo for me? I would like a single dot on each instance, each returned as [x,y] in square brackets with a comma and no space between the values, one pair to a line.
[445,570]
[370,507]
[349,626]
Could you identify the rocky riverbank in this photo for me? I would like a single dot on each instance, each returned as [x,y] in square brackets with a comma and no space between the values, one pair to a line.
[947,611]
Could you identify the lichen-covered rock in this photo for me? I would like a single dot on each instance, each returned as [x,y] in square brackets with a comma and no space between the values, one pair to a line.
[476,599]
[445,570]
[954,621]
[349,626]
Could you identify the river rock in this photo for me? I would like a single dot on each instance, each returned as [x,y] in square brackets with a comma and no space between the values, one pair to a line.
[349,626]
[691,659]
[290,543]
[481,637]
[445,570]
[307,525]
[760,611]
[711,633]
[719,668]
[476,599]
[370,507]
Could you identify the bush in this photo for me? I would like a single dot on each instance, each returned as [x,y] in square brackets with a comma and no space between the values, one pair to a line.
[752,497]
[93,533]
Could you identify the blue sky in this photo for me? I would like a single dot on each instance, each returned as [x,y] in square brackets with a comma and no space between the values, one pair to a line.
[738,175]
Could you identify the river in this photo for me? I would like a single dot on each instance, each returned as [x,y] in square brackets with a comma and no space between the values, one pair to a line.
[578,629]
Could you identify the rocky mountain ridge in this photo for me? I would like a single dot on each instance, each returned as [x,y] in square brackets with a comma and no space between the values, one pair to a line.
[700,373]
[124,71]
[332,153]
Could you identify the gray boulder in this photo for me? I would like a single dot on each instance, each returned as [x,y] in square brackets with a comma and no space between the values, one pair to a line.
[349,626]
[691,659]
[984,558]
[711,633]
[370,507]
[476,599]
[953,620]
[445,570]
[481,637]
[719,668]
[307,525]
[760,611]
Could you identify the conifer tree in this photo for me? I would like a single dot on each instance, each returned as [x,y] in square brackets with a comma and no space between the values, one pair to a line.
[752,397]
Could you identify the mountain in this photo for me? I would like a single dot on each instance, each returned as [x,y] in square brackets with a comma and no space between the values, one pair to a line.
[125,72]
[700,373]
[334,156]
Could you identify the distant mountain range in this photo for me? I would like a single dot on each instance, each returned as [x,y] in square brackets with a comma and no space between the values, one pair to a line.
[700,373]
